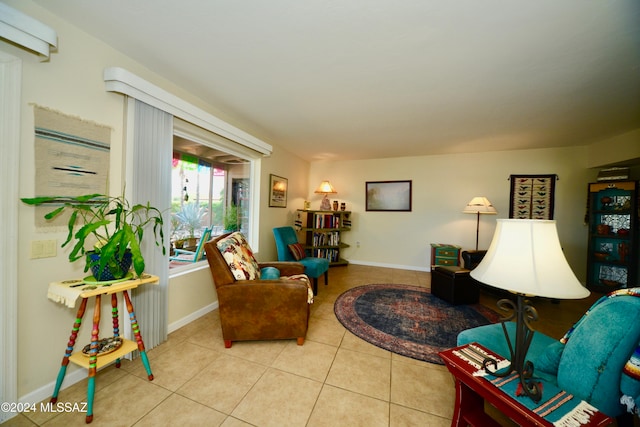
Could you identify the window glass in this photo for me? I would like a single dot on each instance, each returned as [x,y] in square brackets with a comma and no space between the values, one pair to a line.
[210,188]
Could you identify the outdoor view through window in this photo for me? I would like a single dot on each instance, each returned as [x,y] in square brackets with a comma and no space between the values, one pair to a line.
[209,196]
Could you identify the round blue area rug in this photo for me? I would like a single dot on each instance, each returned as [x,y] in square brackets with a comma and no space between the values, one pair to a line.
[408,320]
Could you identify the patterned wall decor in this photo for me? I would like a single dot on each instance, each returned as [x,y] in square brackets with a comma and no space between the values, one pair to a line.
[71,158]
[532,196]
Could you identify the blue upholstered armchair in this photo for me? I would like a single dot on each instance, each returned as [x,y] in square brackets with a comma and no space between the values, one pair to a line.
[290,250]
[595,364]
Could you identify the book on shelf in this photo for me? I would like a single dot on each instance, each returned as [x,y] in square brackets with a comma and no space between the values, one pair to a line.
[326,221]
[333,255]
[326,239]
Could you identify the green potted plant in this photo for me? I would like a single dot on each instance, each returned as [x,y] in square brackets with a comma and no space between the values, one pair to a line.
[190,217]
[231,222]
[117,228]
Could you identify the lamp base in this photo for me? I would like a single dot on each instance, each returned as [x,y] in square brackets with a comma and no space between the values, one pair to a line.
[326,204]
[524,314]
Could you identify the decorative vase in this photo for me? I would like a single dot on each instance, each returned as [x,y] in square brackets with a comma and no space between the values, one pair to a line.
[113,270]
[335,205]
[603,229]
[343,206]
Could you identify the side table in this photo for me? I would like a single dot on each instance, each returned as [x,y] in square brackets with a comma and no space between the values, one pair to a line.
[67,292]
[472,389]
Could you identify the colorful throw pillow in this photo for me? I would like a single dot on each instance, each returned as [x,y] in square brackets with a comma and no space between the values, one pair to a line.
[239,257]
[297,250]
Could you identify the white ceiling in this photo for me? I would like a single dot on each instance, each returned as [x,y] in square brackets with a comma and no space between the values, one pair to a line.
[355,79]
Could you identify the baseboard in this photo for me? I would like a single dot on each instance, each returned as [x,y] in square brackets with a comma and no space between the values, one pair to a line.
[191,317]
[398,266]
[80,374]
[46,391]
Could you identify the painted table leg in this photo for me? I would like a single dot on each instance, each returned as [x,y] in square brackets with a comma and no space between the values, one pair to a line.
[138,336]
[114,319]
[69,350]
[93,359]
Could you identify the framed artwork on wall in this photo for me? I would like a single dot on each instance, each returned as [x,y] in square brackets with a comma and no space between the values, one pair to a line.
[391,196]
[532,196]
[278,191]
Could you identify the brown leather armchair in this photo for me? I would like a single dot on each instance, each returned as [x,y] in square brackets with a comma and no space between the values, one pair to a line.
[259,309]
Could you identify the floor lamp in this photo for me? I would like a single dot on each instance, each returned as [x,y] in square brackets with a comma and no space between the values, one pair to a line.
[526,259]
[479,205]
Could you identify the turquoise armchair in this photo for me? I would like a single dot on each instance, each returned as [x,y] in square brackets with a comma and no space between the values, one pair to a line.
[183,255]
[590,364]
[313,267]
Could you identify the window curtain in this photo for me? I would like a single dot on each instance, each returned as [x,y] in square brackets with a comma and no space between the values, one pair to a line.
[151,163]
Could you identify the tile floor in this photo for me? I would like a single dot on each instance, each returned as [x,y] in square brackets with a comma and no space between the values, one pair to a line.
[334,379]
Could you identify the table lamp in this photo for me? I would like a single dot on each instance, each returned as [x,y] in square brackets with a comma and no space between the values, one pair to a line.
[525,258]
[479,205]
[325,188]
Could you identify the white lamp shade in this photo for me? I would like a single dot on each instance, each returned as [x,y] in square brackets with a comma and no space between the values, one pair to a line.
[326,188]
[480,205]
[525,257]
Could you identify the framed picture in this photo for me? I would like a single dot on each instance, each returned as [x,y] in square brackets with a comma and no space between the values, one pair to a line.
[392,196]
[532,196]
[278,191]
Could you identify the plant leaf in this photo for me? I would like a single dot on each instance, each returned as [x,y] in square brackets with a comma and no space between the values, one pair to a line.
[138,259]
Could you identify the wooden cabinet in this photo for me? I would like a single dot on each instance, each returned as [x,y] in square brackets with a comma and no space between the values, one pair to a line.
[321,233]
[612,257]
[445,254]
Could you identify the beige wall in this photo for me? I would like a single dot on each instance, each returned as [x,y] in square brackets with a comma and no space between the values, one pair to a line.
[442,186]
[296,170]
[189,295]
[621,149]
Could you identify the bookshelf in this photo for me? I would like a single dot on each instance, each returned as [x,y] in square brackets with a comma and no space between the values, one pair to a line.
[321,233]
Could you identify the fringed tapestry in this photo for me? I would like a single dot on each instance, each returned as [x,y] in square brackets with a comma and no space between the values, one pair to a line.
[532,196]
[71,157]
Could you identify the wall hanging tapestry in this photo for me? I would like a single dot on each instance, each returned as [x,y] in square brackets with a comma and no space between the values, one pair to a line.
[71,157]
[532,196]
[407,319]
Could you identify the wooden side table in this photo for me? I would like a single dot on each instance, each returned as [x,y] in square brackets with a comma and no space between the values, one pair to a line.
[472,390]
[70,290]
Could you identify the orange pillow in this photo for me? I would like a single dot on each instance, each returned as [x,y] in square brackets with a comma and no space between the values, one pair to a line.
[297,250]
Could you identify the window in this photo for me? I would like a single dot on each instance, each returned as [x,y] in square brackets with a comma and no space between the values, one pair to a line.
[210,188]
